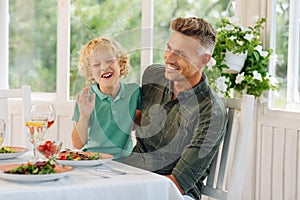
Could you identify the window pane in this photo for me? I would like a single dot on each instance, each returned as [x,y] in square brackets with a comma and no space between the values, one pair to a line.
[281,51]
[210,10]
[119,19]
[32,44]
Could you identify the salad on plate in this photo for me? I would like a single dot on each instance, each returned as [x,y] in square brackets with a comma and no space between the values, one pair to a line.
[79,158]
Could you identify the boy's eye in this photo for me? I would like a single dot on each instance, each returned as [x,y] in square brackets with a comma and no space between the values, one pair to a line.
[96,65]
[110,62]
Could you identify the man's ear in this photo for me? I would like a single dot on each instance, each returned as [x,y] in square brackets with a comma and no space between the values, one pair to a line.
[205,59]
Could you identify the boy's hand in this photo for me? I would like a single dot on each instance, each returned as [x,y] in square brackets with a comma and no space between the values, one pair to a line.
[85,103]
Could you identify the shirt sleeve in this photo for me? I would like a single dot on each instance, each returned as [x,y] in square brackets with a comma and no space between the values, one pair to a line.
[196,158]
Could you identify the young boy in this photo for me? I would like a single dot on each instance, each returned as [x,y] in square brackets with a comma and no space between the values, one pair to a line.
[105,110]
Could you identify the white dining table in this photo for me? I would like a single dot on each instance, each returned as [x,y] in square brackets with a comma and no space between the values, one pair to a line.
[109,181]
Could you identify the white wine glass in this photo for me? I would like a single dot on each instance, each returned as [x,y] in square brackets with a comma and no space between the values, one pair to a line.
[2,131]
[36,125]
[51,115]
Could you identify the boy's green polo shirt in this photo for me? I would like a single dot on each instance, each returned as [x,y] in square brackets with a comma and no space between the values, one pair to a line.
[111,121]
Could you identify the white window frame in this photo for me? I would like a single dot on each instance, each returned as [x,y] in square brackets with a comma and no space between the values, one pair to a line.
[245,11]
[63,49]
[293,52]
[293,103]
[4,31]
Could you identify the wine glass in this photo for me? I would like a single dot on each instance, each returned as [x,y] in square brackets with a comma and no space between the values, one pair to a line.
[51,115]
[36,123]
[2,131]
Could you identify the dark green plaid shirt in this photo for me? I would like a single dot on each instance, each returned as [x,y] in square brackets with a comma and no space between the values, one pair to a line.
[179,136]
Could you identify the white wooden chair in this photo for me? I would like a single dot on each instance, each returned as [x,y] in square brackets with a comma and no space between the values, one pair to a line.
[226,177]
[24,93]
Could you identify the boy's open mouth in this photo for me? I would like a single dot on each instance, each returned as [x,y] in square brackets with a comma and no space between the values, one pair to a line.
[107,75]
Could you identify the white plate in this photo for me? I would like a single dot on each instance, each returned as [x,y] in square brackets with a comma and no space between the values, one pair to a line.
[66,170]
[18,152]
[86,163]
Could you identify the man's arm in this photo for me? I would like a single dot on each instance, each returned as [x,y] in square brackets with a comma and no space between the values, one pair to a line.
[198,155]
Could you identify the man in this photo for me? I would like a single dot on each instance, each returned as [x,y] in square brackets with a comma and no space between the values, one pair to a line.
[183,121]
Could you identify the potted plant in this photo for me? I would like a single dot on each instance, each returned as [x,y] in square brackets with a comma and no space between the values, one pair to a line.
[253,78]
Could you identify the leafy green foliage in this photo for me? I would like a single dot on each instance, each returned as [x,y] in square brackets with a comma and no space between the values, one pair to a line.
[32,44]
[33,38]
[254,77]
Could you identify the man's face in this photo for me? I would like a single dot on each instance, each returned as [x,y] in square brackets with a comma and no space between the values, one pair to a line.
[182,58]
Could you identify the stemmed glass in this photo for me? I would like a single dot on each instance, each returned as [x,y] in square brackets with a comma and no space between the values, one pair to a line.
[51,115]
[37,124]
[2,131]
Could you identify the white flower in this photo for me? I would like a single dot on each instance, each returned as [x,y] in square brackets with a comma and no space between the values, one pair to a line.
[220,83]
[212,62]
[258,48]
[239,78]
[257,75]
[273,81]
[263,53]
[229,28]
[249,37]
[232,37]
[260,51]
[244,29]
[240,42]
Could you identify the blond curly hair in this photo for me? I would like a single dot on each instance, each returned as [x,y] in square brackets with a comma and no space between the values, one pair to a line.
[122,56]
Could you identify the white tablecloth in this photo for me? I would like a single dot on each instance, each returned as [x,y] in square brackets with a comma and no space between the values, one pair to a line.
[87,183]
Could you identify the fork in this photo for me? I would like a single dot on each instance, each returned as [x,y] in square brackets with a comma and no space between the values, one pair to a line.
[110,169]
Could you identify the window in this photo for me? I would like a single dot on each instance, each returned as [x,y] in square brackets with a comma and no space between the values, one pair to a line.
[34,39]
[164,13]
[90,19]
[286,45]
[32,44]
[118,19]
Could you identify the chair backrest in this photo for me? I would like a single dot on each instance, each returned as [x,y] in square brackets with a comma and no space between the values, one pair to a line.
[226,177]
[24,93]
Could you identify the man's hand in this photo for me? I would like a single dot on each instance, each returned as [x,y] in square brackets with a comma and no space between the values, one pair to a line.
[172,177]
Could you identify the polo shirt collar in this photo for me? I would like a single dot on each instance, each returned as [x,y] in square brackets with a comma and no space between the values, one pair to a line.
[102,96]
[200,87]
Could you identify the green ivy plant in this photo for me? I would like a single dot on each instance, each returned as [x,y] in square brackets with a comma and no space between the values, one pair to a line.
[253,78]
